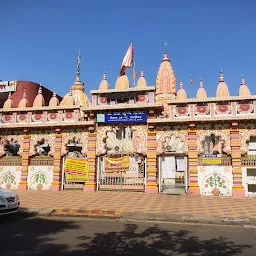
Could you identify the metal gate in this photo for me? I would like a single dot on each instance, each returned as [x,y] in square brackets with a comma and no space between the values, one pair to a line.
[132,179]
[70,185]
[172,174]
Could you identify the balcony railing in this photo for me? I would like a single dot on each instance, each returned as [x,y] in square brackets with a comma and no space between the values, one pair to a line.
[41,160]
[248,160]
[225,160]
[10,161]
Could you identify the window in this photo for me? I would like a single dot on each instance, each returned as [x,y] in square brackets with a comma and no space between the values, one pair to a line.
[124,133]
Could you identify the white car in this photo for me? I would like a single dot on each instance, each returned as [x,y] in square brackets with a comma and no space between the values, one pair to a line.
[9,202]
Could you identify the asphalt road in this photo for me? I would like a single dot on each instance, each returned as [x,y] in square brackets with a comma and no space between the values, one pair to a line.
[28,235]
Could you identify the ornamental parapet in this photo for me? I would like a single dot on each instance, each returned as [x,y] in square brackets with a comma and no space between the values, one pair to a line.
[45,117]
[210,109]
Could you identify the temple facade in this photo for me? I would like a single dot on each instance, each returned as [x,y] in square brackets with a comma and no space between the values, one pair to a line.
[136,138]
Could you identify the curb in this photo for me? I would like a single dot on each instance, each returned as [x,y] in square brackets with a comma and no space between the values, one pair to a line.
[98,213]
[137,216]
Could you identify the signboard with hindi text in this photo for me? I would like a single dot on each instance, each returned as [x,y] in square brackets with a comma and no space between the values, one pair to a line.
[116,164]
[123,117]
[211,159]
[76,170]
[8,86]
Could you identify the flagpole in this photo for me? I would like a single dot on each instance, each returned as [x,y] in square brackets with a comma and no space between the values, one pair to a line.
[134,78]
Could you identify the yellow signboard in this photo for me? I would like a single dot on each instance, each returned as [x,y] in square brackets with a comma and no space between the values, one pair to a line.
[76,170]
[211,160]
[119,164]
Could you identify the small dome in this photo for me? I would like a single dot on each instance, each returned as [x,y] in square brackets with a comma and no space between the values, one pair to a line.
[122,82]
[104,83]
[39,99]
[54,101]
[68,100]
[244,90]
[142,81]
[222,90]
[181,94]
[23,102]
[8,103]
[201,93]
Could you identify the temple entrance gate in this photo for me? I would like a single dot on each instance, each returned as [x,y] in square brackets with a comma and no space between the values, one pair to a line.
[121,173]
[74,148]
[172,174]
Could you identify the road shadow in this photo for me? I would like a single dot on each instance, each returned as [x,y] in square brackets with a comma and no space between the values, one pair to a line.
[157,241]
[31,235]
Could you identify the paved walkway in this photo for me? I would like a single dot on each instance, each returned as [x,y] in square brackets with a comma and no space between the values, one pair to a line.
[141,202]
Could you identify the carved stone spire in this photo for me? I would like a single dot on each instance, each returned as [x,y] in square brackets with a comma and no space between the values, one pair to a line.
[165,80]
[78,67]
[244,90]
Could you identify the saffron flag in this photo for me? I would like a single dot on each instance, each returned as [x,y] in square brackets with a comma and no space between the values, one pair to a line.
[134,74]
[191,80]
[127,61]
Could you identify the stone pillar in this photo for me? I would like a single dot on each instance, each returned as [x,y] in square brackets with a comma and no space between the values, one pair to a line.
[23,185]
[91,149]
[193,187]
[151,174]
[57,162]
[235,142]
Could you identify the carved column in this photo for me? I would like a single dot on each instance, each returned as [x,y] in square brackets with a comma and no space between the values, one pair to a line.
[151,175]
[192,161]
[235,142]
[91,149]
[57,162]
[23,185]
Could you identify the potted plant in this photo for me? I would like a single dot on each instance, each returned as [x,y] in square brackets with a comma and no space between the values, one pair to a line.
[40,179]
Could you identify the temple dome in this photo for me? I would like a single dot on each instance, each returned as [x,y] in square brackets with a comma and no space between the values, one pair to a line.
[9,102]
[165,81]
[104,83]
[244,90]
[23,102]
[54,101]
[201,93]
[142,81]
[222,90]
[122,82]
[68,100]
[77,93]
[39,99]
[181,94]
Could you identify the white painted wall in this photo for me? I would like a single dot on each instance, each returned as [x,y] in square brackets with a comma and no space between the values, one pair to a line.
[221,176]
[46,173]
[10,177]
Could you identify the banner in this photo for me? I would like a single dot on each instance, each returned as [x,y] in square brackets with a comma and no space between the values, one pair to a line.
[6,86]
[211,159]
[120,164]
[123,117]
[76,170]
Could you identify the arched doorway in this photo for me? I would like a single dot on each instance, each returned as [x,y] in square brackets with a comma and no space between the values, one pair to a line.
[122,165]
[172,164]
[74,150]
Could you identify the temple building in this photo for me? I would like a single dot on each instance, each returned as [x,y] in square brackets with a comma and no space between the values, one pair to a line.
[152,139]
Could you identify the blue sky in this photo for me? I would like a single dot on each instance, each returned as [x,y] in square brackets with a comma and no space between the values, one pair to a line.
[43,39]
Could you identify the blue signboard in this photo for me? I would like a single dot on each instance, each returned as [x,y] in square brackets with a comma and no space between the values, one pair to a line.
[123,117]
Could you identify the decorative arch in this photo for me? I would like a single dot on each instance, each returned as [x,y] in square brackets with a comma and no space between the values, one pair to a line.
[245,137]
[49,138]
[140,139]
[18,138]
[224,136]
[101,136]
[168,134]
[81,136]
